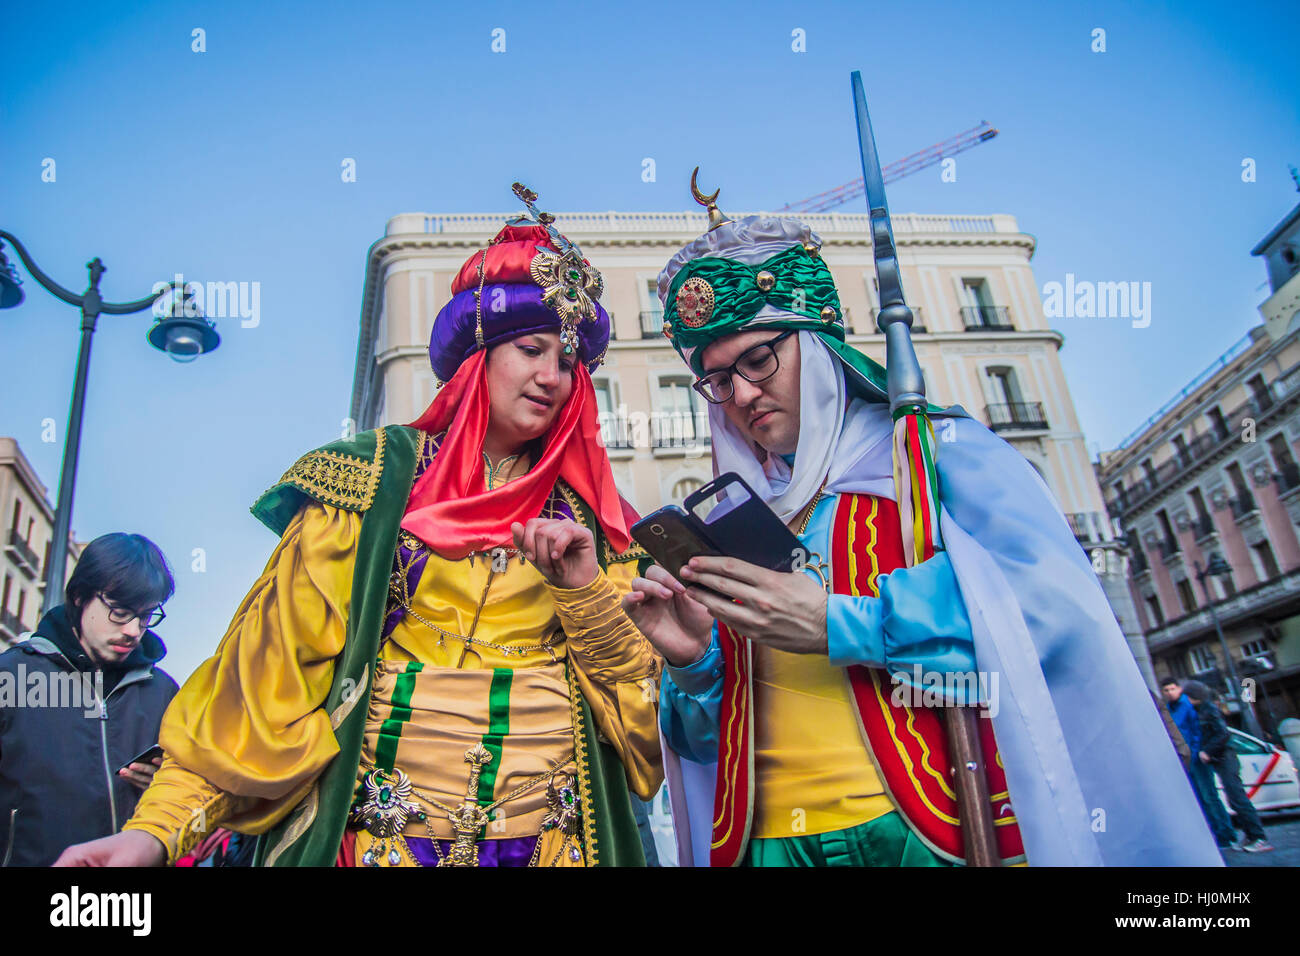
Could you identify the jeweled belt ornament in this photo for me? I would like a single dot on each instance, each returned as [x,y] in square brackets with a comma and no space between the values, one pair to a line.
[384,810]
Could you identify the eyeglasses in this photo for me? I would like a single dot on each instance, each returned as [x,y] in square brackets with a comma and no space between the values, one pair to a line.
[122,615]
[754,365]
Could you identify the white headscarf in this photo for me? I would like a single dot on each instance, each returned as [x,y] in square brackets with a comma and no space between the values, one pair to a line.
[849,447]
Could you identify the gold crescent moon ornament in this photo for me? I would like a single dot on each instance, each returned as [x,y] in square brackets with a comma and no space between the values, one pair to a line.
[716,218]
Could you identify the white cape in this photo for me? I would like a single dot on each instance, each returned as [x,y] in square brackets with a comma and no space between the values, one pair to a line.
[1092,775]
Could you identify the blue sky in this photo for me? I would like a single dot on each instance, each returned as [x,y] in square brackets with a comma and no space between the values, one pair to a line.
[224,165]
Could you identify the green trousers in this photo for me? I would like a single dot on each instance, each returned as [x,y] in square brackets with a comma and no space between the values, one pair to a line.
[884,841]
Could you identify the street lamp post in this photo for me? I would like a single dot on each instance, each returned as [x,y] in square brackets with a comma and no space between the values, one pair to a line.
[1216,567]
[183,337]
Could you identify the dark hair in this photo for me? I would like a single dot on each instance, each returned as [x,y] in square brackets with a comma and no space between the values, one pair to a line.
[1170,680]
[129,569]
[1198,691]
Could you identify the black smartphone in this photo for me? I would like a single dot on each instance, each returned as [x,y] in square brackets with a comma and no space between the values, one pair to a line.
[739,525]
[742,525]
[671,538]
[146,757]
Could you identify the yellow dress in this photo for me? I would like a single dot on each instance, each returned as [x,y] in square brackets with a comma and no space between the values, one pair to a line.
[246,736]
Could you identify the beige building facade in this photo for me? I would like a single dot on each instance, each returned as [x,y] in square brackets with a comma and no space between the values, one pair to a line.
[1214,472]
[27,542]
[981,337]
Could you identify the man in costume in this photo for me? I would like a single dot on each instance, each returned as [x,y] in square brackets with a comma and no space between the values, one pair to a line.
[801,705]
[434,667]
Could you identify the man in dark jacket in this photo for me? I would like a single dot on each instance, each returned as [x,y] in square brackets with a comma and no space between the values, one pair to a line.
[1184,715]
[1216,751]
[79,699]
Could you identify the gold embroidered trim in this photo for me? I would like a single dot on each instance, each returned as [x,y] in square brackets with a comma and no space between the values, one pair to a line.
[571,497]
[429,445]
[589,848]
[345,481]
[341,712]
[303,818]
[634,552]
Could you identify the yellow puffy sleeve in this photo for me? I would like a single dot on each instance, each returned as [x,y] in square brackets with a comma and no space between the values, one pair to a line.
[246,736]
[617,670]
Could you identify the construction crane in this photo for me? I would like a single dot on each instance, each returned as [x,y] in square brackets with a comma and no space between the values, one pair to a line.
[896,170]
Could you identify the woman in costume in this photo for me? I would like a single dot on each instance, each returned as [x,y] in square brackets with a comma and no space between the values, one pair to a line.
[435,669]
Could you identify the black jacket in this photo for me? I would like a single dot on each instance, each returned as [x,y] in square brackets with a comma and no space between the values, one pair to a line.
[1214,730]
[60,747]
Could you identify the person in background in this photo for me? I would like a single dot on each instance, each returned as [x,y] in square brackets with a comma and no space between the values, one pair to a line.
[1216,751]
[79,699]
[1184,715]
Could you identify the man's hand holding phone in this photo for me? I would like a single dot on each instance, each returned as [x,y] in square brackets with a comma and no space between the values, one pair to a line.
[785,610]
[679,627]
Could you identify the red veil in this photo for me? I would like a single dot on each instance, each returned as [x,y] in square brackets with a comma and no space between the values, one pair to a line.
[451,510]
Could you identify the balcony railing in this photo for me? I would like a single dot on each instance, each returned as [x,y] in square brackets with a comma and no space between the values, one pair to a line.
[676,430]
[986,318]
[1087,526]
[652,324]
[1016,416]
[23,555]
[1198,450]
[1243,503]
[614,431]
[655,430]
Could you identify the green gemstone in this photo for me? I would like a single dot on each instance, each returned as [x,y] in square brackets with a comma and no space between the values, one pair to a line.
[385,793]
[573,275]
[571,293]
[568,350]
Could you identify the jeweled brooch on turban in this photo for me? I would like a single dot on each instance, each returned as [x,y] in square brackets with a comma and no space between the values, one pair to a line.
[695,300]
[570,287]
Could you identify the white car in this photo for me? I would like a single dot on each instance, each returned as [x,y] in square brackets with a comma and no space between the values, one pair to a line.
[1268,774]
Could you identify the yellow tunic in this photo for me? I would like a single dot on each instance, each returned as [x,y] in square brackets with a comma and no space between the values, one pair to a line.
[812,769]
[245,738]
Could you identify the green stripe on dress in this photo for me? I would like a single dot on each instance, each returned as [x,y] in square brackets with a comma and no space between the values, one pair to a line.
[498,727]
[390,732]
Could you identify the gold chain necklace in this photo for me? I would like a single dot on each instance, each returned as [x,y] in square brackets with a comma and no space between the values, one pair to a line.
[400,592]
[814,561]
[547,645]
[812,506]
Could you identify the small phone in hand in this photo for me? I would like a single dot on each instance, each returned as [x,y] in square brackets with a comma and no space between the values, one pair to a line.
[147,757]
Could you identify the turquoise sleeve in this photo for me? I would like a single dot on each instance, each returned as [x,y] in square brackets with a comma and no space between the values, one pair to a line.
[917,628]
[690,699]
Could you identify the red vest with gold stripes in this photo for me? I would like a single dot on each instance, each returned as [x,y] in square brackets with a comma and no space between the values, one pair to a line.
[907,745]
